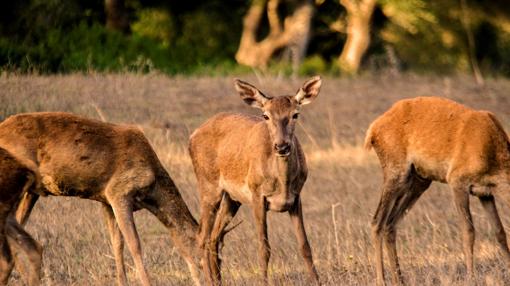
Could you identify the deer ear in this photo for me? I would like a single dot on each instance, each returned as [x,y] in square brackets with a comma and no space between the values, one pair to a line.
[250,94]
[309,91]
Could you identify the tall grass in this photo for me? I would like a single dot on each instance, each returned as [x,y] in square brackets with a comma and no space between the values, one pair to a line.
[339,197]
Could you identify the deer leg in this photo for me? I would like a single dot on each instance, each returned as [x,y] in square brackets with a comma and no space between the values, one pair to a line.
[296,216]
[461,199]
[391,193]
[6,261]
[117,244]
[123,211]
[227,210]
[19,238]
[404,203]
[489,205]
[260,215]
[208,210]
[25,207]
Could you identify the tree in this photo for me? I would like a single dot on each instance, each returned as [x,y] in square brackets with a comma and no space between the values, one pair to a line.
[359,14]
[295,31]
[116,15]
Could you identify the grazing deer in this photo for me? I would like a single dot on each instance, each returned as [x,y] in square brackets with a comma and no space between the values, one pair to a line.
[434,139]
[112,164]
[15,179]
[254,160]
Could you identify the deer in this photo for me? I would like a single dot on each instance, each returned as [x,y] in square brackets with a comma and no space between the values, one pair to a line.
[429,139]
[110,163]
[255,160]
[16,178]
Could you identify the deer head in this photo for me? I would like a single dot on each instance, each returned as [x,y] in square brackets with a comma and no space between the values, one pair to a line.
[280,113]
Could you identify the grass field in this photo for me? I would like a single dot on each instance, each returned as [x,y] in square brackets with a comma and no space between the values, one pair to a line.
[339,197]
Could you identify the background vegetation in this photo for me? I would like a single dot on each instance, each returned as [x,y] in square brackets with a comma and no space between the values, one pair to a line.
[199,36]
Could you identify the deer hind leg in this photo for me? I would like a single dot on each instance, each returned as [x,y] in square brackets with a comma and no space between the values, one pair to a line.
[227,210]
[264,251]
[395,186]
[209,202]
[19,238]
[296,215]
[461,199]
[416,188]
[117,244]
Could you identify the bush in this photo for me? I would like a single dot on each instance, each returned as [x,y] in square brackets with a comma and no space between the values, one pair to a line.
[81,48]
[313,65]
[94,47]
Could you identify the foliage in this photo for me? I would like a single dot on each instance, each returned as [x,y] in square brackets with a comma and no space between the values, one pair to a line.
[155,24]
[428,35]
[66,36]
[313,65]
[203,36]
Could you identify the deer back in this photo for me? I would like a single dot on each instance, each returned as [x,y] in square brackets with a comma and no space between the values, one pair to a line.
[440,137]
[78,156]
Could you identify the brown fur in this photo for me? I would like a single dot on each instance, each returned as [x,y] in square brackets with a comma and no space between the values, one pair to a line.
[16,178]
[112,164]
[242,159]
[434,139]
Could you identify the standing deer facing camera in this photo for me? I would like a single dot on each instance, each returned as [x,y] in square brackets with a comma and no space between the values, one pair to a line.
[433,139]
[253,160]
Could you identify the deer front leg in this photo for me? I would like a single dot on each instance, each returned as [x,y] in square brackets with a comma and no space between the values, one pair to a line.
[296,216]
[117,244]
[264,248]
[123,211]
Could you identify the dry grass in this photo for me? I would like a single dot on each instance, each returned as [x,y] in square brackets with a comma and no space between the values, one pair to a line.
[339,197]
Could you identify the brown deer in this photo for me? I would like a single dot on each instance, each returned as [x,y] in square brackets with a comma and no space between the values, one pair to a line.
[254,160]
[15,179]
[112,164]
[434,139]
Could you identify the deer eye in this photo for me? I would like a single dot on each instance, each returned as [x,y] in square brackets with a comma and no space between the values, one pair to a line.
[295,116]
[265,117]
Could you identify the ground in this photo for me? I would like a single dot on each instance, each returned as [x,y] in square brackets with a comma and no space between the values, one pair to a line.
[339,198]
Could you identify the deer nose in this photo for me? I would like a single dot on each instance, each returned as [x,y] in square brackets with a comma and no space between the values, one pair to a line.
[282,149]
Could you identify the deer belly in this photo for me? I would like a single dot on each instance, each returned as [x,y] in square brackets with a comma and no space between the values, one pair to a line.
[430,168]
[58,186]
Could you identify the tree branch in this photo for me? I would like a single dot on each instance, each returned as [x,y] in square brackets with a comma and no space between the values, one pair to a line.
[273,18]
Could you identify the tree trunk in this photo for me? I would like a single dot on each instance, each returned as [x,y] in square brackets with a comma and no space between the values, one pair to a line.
[471,44]
[359,14]
[116,15]
[255,53]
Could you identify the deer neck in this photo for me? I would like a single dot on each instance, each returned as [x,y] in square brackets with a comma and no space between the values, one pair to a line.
[285,167]
[169,207]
